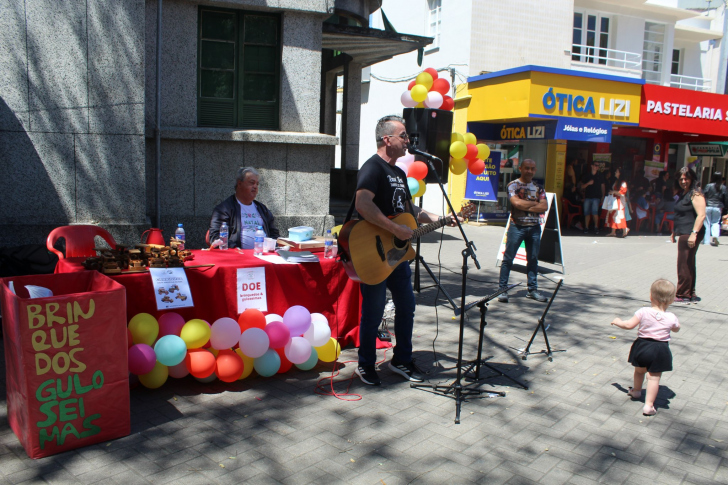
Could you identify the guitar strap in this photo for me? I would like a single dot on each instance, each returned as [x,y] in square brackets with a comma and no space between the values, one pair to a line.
[351,209]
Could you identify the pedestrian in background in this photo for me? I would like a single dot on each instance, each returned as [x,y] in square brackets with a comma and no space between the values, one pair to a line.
[716,198]
[688,229]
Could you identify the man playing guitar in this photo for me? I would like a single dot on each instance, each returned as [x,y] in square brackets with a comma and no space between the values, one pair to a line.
[381,192]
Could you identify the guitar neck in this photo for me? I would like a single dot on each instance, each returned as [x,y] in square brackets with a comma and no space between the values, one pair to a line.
[422,230]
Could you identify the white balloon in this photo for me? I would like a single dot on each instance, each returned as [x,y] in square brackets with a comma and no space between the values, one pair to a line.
[273,317]
[224,334]
[254,342]
[434,100]
[406,158]
[407,100]
[318,333]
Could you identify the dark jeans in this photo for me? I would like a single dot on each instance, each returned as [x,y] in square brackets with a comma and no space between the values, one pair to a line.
[686,274]
[531,236]
[374,298]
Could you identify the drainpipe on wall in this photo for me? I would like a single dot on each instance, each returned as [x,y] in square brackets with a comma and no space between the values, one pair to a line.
[158,120]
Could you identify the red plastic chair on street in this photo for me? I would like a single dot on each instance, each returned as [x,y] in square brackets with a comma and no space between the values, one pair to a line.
[639,220]
[79,240]
[670,223]
[570,211]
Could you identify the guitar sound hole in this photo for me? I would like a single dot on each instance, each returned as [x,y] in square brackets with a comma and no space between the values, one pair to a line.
[399,244]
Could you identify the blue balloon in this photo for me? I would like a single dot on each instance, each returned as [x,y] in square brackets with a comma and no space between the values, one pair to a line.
[267,364]
[171,350]
[311,362]
[413,184]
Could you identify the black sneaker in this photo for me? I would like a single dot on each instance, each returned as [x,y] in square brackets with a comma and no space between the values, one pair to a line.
[409,371]
[695,299]
[535,295]
[586,230]
[596,231]
[368,375]
[503,297]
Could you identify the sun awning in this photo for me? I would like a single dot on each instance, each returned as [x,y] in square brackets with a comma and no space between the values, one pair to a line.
[369,46]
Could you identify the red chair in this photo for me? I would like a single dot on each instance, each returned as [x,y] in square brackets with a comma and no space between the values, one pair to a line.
[79,240]
[639,220]
[670,222]
[570,211]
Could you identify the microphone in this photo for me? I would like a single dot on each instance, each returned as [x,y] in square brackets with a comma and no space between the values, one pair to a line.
[414,151]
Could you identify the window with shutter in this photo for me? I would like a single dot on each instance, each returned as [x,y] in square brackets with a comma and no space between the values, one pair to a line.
[239,69]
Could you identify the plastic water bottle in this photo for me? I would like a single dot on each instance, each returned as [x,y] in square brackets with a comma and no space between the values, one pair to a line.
[224,235]
[180,235]
[259,241]
[329,251]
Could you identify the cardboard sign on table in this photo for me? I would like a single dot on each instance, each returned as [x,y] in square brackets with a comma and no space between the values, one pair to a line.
[171,288]
[250,289]
[67,365]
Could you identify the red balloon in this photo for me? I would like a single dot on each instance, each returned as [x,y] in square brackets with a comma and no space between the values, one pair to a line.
[200,362]
[418,170]
[411,84]
[441,85]
[476,167]
[447,103]
[432,72]
[251,318]
[285,363]
[229,366]
[472,153]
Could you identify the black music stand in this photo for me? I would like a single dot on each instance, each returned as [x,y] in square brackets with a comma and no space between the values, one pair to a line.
[548,351]
[476,364]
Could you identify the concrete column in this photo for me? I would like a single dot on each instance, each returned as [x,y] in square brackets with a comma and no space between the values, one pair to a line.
[351,116]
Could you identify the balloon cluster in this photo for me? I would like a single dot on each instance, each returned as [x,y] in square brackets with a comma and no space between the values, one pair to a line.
[416,172]
[428,90]
[467,153]
[228,350]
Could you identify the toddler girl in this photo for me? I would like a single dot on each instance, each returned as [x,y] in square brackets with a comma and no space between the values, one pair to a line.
[650,353]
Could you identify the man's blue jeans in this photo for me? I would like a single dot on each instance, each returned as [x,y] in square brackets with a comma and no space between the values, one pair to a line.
[531,236]
[374,298]
[711,223]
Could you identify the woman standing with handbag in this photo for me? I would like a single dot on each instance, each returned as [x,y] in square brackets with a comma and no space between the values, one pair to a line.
[688,231]
[616,206]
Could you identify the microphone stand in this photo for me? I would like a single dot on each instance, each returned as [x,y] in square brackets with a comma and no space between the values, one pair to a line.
[458,391]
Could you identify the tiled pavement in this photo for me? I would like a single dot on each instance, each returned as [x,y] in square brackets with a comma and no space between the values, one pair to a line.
[574,425]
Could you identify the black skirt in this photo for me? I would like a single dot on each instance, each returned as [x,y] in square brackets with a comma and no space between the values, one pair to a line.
[655,355]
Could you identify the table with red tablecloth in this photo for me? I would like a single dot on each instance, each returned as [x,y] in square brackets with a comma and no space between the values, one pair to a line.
[321,287]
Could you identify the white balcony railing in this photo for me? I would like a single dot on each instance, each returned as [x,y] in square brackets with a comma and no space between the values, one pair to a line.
[689,82]
[606,57]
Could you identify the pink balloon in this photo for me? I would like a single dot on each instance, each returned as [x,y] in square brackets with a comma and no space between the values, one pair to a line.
[179,371]
[225,333]
[141,359]
[278,334]
[254,342]
[297,319]
[407,100]
[170,324]
[433,100]
[298,350]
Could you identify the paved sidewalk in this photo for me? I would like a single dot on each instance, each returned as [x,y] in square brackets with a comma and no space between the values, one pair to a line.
[574,425]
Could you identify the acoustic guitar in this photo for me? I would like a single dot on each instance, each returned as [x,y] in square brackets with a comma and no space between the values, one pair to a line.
[370,253]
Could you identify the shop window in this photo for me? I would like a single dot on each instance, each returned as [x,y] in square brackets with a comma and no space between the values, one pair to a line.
[590,38]
[238,80]
[652,52]
[434,21]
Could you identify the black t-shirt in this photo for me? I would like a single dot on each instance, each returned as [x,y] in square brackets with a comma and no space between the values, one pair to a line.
[685,215]
[594,191]
[387,182]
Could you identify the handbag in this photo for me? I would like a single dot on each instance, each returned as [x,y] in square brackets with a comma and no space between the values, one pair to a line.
[610,203]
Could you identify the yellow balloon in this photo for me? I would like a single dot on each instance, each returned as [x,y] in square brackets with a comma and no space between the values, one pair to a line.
[469,139]
[483,151]
[144,329]
[248,364]
[421,190]
[456,137]
[195,333]
[458,166]
[329,351]
[156,377]
[424,79]
[420,105]
[419,92]
[458,149]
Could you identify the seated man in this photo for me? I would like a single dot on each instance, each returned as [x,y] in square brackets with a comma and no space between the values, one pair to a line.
[666,205]
[243,213]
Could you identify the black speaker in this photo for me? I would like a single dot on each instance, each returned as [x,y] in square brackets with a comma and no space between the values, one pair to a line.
[430,130]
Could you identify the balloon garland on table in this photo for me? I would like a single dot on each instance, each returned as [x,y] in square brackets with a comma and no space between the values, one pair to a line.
[468,154]
[428,90]
[228,350]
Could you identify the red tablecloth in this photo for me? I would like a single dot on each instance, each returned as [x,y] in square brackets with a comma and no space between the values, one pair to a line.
[321,288]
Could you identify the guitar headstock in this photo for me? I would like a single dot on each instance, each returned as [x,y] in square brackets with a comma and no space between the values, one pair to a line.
[467,210]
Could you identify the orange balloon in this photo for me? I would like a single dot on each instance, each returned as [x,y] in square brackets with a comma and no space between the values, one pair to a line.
[251,318]
[285,363]
[432,72]
[441,85]
[200,362]
[476,167]
[472,153]
[228,366]
[412,84]
[418,170]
